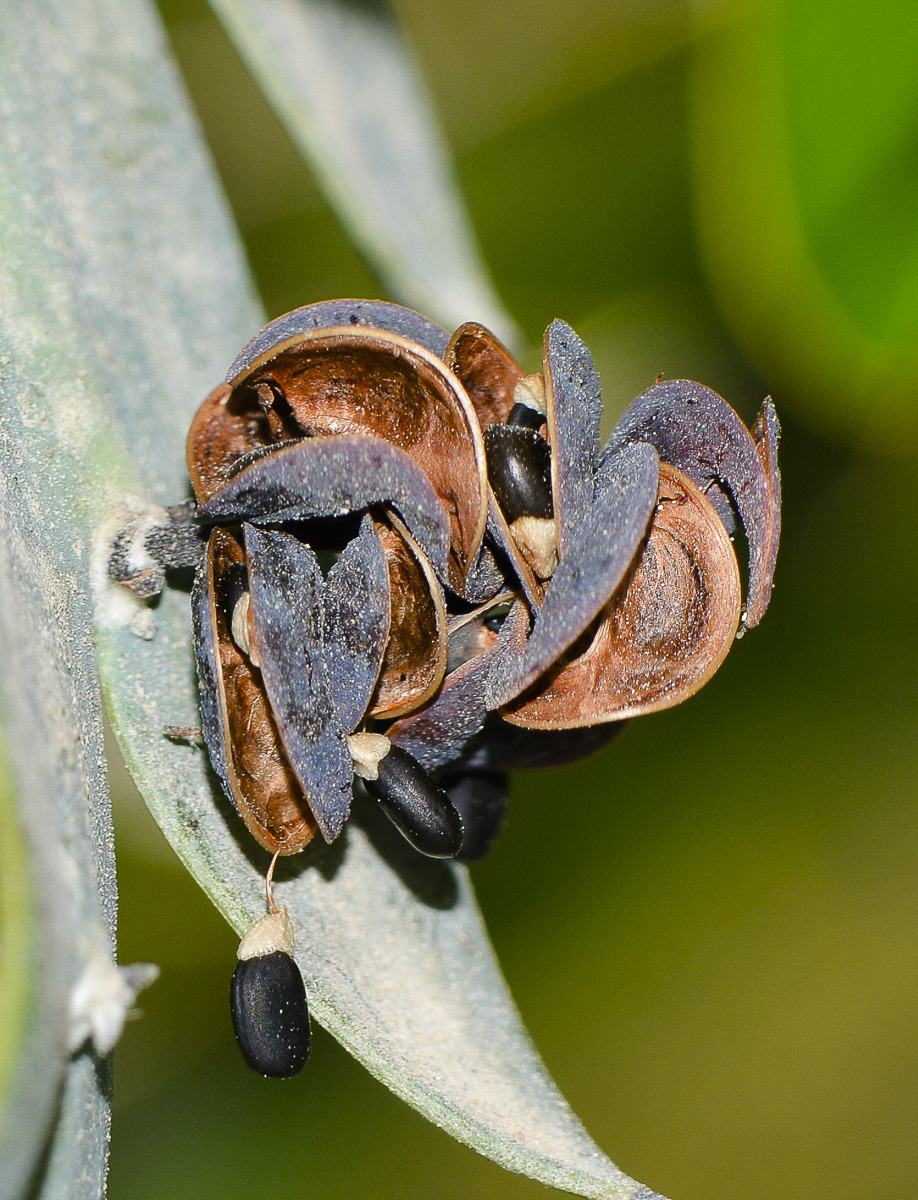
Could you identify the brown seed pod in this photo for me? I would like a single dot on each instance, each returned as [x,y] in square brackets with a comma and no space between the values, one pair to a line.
[343,380]
[487,369]
[414,661]
[624,585]
[239,725]
[665,632]
[225,427]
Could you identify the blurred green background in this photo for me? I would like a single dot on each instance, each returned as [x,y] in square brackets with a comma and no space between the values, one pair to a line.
[710,928]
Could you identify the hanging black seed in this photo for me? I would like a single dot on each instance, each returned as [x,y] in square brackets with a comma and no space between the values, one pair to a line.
[270,1016]
[414,804]
[519,471]
[522,414]
[480,798]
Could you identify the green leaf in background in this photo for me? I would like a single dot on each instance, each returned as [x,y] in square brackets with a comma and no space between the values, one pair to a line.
[344,83]
[806,188]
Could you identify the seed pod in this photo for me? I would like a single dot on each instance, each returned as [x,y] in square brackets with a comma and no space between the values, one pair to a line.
[488,371]
[598,559]
[415,656]
[239,725]
[573,407]
[414,804]
[270,1015]
[664,633]
[350,380]
[697,431]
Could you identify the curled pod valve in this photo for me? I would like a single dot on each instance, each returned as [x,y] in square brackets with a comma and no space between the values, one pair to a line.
[268,999]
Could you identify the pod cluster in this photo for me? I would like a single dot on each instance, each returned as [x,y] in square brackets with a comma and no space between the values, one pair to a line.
[423,565]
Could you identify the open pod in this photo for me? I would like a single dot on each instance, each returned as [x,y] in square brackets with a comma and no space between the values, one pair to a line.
[663,634]
[415,655]
[287,664]
[352,380]
[242,738]
[225,429]
[697,431]
[488,371]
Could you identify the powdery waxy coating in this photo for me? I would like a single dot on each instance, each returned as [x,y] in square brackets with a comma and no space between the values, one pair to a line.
[621,590]
[321,380]
[320,645]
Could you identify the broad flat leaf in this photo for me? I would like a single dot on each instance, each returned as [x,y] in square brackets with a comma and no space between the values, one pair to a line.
[343,81]
[123,299]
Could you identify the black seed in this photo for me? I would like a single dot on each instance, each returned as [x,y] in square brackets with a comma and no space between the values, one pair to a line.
[519,471]
[414,804]
[495,619]
[522,414]
[232,585]
[270,1016]
[480,798]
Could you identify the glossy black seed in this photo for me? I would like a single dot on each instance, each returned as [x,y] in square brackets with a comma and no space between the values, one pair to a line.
[480,798]
[270,1016]
[519,471]
[414,804]
[522,414]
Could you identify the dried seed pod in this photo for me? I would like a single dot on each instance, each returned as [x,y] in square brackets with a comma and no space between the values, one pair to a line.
[439,733]
[599,554]
[487,369]
[420,810]
[332,477]
[350,405]
[353,380]
[506,747]
[320,644]
[663,636]
[697,431]
[237,718]
[573,407]
[414,660]
[500,533]
[225,428]
[352,314]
